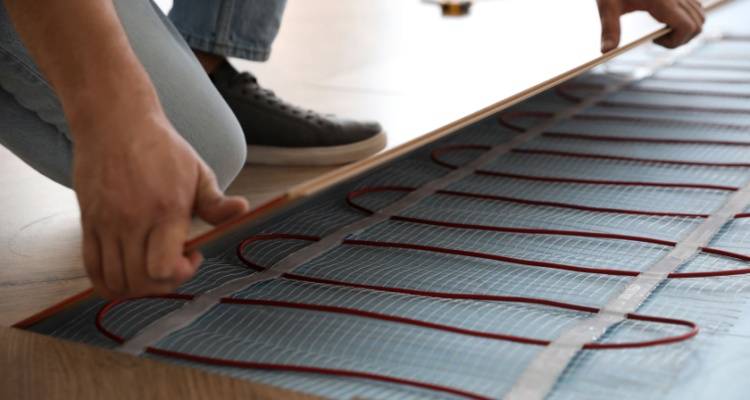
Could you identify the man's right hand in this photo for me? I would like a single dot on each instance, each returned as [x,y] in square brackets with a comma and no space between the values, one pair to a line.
[138,181]
[138,184]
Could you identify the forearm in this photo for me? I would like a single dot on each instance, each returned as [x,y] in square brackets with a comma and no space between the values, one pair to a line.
[83,51]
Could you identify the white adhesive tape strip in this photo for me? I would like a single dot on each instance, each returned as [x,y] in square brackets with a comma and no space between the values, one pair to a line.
[540,376]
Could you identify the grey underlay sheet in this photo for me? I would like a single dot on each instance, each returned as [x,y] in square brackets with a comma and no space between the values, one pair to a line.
[651,159]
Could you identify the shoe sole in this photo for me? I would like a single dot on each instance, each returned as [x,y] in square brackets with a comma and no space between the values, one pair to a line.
[316,156]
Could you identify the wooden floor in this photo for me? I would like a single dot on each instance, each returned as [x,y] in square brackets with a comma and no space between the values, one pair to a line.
[50,369]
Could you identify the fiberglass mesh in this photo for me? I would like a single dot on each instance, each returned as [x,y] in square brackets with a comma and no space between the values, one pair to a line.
[482,365]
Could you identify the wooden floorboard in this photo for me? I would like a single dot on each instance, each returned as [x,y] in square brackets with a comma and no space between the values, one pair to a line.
[39,367]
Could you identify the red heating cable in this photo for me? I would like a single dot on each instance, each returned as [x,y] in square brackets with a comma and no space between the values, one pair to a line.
[715,67]
[735,38]
[564,92]
[435,155]
[385,378]
[633,159]
[679,79]
[506,120]
[693,329]
[570,206]
[536,231]
[449,148]
[224,362]
[391,379]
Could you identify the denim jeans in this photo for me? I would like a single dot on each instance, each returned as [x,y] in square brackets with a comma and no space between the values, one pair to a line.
[32,123]
[232,28]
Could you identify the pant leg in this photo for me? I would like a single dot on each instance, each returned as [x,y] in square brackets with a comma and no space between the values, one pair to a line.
[38,143]
[232,28]
[189,99]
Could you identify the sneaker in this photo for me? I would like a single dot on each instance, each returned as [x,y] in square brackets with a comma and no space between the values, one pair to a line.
[279,133]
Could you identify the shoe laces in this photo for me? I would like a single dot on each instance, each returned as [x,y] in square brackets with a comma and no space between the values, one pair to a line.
[250,86]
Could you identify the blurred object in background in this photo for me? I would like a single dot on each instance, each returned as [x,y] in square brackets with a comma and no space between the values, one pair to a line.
[452,8]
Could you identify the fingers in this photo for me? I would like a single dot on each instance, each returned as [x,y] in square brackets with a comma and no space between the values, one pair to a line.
[695,14]
[140,250]
[195,258]
[134,262]
[211,204]
[112,265]
[609,14]
[695,8]
[684,20]
[165,261]
[139,282]
[140,262]
[92,261]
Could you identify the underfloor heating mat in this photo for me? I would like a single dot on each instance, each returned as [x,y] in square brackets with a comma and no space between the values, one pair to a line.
[446,272]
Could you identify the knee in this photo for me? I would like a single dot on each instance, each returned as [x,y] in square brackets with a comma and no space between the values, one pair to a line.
[215,134]
[226,152]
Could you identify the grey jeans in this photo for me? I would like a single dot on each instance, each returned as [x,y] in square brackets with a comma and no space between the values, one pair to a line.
[32,124]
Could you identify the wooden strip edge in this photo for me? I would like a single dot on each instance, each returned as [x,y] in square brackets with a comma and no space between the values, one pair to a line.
[56,308]
[191,245]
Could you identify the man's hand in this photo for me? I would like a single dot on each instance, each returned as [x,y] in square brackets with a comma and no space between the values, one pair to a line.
[138,183]
[684,17]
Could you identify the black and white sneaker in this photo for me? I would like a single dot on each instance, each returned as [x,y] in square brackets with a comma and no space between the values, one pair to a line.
[279,133]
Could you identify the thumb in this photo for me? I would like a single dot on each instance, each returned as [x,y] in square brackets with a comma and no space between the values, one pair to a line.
[609,14]
[212,205]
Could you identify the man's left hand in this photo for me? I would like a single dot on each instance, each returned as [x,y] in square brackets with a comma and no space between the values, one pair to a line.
[684,17]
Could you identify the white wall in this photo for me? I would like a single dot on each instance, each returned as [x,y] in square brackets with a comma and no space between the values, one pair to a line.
[164,4]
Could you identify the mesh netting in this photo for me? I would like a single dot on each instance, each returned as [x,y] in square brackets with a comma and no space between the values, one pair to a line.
[678,72]
[623,197]
[431,298]
[739,89]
